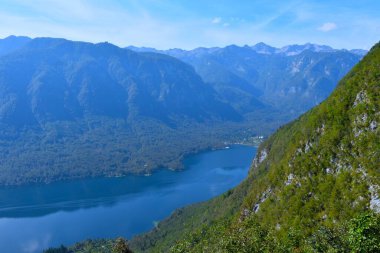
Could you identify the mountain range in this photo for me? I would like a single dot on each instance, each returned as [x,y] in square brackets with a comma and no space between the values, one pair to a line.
[263,48]
[72,109]
[292,78]
[55,79]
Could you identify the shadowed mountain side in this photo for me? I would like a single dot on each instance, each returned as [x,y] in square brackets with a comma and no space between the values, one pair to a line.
[56,79]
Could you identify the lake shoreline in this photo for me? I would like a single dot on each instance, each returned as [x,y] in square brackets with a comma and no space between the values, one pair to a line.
[66,212]
[178,168]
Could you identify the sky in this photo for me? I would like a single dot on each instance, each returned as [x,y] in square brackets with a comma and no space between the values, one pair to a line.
[188,24]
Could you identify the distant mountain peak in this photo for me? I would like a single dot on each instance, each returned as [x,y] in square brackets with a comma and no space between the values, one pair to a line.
[261,44]
[260,48]
[298,49]
[263,48]
[142,49]
[360,52]
[12,43]
[12,37]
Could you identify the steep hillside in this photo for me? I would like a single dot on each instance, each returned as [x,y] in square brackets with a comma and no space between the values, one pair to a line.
[313,187]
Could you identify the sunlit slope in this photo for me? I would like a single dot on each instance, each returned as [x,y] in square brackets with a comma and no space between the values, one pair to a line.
[309,188]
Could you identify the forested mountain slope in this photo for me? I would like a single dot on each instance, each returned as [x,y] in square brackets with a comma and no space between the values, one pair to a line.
[313,187]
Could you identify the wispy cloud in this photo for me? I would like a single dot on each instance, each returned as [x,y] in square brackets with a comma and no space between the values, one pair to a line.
[187,24]
[216,20]
[83,20]
[327,27]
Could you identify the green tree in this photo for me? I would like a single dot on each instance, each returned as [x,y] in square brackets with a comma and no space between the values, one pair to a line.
[364,233]
[121,246]
[61,249]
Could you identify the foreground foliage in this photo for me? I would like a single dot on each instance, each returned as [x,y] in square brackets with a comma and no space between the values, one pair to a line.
[118,245]
[361,234]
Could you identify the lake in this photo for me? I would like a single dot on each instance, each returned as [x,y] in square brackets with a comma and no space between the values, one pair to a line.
[36,217]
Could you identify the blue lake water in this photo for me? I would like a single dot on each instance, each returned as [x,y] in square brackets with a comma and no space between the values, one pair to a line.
[36,217]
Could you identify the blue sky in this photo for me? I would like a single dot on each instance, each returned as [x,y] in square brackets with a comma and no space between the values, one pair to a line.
[192,23]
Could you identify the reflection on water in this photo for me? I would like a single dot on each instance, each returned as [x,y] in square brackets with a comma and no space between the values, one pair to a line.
[34,201]
[40,216]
